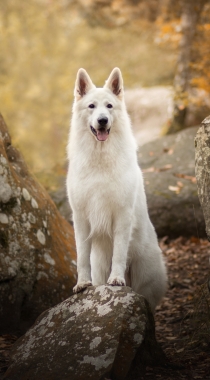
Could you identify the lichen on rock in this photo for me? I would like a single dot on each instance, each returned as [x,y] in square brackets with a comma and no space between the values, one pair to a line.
[37,244]
[74,341]
[202,168]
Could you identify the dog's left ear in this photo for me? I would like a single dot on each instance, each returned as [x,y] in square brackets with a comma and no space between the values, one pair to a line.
[115,82]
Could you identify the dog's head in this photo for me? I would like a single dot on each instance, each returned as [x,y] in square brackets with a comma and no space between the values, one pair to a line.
[98,106]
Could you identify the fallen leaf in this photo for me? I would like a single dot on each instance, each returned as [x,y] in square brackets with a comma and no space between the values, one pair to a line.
[166,167]
[149,170]
[181,350]
[153,169]
[176,189]
[180,184]
[168,150]
[188,177]
[171,151]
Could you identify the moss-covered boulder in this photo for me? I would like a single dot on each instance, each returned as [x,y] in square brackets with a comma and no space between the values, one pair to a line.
[37,251]
[101,333]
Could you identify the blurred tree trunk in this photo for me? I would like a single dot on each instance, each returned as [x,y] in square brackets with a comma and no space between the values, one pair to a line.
[191,10]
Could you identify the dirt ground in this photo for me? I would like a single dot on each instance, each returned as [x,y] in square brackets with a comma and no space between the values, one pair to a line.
[183,318]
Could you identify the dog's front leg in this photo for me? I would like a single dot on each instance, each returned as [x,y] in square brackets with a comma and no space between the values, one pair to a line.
[83,245]
[120,252]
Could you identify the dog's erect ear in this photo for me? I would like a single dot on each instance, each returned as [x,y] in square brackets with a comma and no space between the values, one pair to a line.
[115,82]
[83,84]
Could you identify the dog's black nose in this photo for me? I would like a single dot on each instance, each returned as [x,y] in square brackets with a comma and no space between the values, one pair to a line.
[102,121]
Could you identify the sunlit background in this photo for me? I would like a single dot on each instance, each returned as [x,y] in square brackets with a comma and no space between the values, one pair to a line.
[44,43]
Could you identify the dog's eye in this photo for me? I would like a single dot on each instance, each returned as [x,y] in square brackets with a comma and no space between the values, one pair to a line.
[109,105]
[91,106]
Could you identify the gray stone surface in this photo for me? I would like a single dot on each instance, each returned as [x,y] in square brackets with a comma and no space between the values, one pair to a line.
[37,252]
[92,335]
[168,164]
[61,201]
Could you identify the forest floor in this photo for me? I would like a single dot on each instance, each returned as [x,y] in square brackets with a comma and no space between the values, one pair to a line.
[183,318]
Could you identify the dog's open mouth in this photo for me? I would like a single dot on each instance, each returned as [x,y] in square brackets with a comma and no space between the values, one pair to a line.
[101,134]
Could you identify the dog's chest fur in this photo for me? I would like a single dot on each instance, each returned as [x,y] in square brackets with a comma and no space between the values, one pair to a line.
[102,187]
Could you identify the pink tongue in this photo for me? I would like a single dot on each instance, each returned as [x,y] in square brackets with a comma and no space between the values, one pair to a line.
[102,135]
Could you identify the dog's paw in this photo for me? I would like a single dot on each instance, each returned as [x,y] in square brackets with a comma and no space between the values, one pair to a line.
[116,281]
[81,286]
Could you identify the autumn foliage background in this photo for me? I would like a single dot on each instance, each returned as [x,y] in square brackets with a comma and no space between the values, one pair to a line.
[44,42]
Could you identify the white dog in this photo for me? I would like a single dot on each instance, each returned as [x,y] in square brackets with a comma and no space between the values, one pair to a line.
[116,242]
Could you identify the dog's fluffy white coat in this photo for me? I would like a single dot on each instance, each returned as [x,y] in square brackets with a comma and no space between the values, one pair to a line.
[115,239]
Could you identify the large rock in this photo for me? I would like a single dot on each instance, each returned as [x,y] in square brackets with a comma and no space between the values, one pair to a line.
[149,109]
[168,164]
[37,260]
[96,334]
[60,198]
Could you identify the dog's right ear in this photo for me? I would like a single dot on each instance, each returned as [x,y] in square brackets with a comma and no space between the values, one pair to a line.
[115,82]
[83,84]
